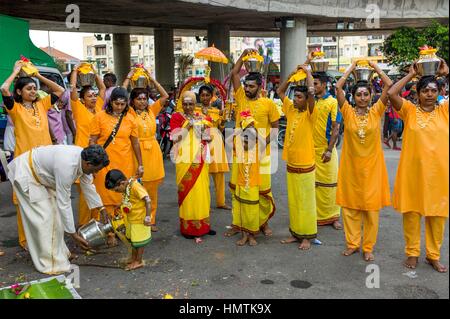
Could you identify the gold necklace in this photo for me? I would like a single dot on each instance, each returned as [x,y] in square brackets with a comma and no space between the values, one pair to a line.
[143,116]
[34,112]
[421,121]
[361,123]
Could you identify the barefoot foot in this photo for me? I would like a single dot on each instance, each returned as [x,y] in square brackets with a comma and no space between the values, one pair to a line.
[305,245]
[243,240]
[350,251]
[134,265]
[368,256]
[231,232]
[411,262]
[289,240]
[337,225]
[252,241]
[436,265]
[267,231]
[224,207]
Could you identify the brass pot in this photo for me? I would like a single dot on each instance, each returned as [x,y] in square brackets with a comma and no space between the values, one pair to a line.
[141,82]
[362,73]
[95,233]
[319,65]
[428,65]
[253,65]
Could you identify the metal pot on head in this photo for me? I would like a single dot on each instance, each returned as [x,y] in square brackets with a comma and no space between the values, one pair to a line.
[428,66]
[363,73]
[95,233]
[253,65]
[319,65]
[86,75]
[141,82]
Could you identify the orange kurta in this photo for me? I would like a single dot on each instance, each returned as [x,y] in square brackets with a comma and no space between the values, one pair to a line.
[152,158]
[83,117]
[120,151]
[31,127]
[362,179]
[421,184]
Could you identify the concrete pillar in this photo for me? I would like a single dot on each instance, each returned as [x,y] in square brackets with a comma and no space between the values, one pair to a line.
[293,47]
[164,58]
[121,52]
[219,35]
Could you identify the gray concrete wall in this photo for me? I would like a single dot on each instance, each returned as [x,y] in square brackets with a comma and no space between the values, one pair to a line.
[341,8]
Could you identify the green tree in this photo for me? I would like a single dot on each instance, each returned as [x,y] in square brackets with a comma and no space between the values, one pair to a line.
[402,46]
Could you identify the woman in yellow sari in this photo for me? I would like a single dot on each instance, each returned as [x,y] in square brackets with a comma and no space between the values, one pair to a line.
[191,155]
[219,164]
[421,186]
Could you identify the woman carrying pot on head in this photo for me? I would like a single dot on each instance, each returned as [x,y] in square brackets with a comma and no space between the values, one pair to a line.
[363,185]
[84,107]
[152,158]
[190,135]
[29,116]
[117,131]
[219,163]
[421,185]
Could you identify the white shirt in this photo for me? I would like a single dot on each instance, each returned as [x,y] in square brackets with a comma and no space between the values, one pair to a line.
[58,167]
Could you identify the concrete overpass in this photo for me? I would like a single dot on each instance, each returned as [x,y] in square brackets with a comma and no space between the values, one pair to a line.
[223,18]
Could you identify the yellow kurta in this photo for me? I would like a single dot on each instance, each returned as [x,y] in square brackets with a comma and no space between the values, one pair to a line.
[83,117]
[138,234]
[265,112]
[422,178]
[120,151]
[31,126]
[299,154]
[151,153]
[363,180]
[326,173]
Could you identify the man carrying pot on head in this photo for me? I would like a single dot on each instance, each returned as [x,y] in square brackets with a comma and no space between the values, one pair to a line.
[42,179]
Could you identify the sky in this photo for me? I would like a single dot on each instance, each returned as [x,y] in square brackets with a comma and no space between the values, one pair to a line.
[67,42]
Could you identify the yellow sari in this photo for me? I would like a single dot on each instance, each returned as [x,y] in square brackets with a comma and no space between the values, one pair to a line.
[192,177]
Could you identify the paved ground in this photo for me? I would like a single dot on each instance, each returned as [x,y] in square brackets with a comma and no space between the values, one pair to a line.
[217,268]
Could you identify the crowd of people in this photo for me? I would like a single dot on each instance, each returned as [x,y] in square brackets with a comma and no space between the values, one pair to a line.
[113,132]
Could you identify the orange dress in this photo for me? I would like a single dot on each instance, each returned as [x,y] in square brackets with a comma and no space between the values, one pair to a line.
[83,118]
[362,178]
[120,151]
[421,184]
[31,126]
[151,153]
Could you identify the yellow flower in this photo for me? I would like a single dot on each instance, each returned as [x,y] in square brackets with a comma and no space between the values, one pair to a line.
[299,76]
[168,296]
[253,55]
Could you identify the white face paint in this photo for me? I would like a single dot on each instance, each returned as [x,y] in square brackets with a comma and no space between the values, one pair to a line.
[432,86]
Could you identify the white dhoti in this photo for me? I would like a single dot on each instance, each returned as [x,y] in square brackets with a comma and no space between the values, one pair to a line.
[42,222]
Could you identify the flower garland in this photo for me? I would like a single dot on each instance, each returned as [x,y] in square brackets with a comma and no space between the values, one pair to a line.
[126,204]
